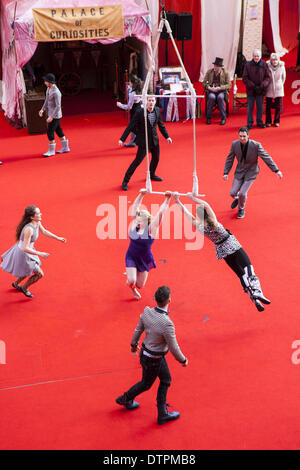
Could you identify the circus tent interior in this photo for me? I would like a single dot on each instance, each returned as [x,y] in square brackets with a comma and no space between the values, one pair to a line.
[65,353]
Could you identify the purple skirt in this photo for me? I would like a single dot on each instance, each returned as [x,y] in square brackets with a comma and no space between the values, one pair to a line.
[141,263]
[139,253]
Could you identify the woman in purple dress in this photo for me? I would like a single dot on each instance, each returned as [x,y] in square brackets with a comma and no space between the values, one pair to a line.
[139,259]
[22,260]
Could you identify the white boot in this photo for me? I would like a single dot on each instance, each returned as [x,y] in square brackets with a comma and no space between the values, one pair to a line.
[255,300]
[254,286]
[65,147]
[51,151]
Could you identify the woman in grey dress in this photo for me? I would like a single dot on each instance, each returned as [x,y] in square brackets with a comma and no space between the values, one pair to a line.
[22,260]
[227,248]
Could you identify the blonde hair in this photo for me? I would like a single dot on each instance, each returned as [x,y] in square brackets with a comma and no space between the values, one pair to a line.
[274,56]
[145,214]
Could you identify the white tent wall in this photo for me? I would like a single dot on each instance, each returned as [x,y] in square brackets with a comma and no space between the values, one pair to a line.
[220,31]
[274,14]
[153,7]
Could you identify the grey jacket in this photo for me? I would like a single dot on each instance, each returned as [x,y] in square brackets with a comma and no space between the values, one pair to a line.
[52,103]
[160,333]
[248,169]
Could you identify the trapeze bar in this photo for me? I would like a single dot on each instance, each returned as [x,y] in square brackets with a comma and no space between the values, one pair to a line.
[179,194]
[173,94]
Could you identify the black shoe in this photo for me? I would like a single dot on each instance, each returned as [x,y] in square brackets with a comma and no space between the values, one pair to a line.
[156,178]
[263,299]
[241,214]
[129,404]
[16,286]
[258,305]
[223,121]
[164,415]
[261,125]
[130,144]
[26,292]
[234,203]
[124,186]
[250,126]
[208,121]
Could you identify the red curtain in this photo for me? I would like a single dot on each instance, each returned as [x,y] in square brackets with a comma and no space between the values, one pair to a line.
[267,35]
[289,23]
[0,43]
[192,49]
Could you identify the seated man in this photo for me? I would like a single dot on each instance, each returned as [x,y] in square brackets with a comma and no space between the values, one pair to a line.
[217,85]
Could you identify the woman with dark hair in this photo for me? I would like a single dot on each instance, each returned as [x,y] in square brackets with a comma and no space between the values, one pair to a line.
[227,248]
[139,259]
[22,260]
[134,102]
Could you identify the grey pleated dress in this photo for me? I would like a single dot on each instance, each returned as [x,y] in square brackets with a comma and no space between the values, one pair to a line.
[18,263]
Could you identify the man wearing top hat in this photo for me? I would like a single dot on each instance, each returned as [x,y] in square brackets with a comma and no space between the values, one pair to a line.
[217,85]
[52,106]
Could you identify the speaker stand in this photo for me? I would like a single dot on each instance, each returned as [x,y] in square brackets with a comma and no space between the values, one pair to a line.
[182,50]
[166,51]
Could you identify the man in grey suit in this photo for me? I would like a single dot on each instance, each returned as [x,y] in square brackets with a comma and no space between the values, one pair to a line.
[246,152]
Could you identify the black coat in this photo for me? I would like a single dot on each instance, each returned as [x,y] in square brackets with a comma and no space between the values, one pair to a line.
[137,125]
[256,77]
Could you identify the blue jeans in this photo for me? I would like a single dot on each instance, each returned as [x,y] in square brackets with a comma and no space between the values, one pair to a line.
[259,109]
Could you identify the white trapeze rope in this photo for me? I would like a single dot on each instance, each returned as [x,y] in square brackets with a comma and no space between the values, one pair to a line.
[164,22]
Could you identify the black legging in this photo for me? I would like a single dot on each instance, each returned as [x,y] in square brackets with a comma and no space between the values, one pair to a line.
[54,126]
[238,261]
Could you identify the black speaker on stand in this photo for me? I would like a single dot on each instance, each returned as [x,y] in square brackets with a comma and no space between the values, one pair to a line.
[171,16]
[184,29]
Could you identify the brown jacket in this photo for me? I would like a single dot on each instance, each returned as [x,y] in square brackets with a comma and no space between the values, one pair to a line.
[160,333]
[225,82]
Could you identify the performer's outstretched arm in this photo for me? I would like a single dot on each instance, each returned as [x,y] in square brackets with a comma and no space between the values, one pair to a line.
[136,205]
[190,216]
[154,226]
[205,206]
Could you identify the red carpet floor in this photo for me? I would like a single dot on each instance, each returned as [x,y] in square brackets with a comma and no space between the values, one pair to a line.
[67,350]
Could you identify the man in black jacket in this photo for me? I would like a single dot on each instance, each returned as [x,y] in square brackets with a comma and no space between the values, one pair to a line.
[256,76]
[137,125]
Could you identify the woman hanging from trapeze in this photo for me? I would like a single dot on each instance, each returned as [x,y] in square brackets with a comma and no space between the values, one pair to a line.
[227,248]
[139,259]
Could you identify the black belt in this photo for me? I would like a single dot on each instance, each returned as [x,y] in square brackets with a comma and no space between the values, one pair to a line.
[226,238]
[154,353]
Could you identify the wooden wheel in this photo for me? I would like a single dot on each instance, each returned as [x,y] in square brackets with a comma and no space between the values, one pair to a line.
[70,83]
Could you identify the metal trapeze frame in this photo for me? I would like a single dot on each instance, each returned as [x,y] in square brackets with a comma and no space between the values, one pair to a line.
[164,22]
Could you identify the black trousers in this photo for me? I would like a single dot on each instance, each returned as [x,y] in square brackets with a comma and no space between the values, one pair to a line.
[238,261]
[140,155]
[276,104]
[152,368]
[54,126]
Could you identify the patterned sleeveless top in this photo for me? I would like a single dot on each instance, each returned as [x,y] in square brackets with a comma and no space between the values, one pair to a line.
[225,242]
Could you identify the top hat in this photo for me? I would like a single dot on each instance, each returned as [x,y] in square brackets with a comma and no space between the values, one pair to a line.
[49,77]
[218,62]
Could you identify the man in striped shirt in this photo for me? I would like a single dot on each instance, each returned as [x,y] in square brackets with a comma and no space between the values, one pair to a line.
[160,338]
